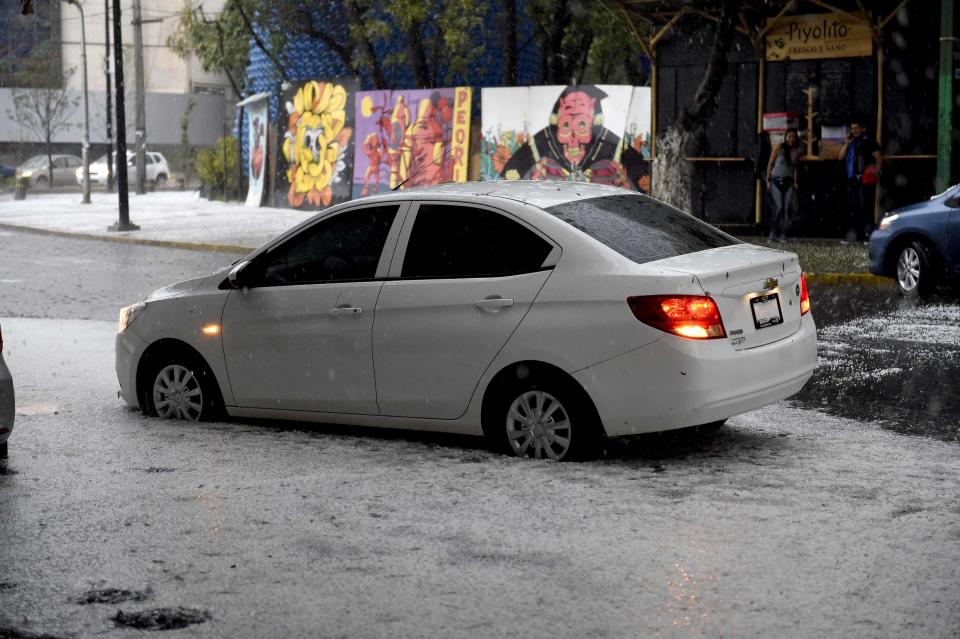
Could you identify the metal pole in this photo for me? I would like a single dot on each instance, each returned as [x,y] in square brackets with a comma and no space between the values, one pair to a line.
[106,70]
[123,222]
[141,126]
[946,144]
[85,147]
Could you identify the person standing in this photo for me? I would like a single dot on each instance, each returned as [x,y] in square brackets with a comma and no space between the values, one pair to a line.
[782,183]
[862,160]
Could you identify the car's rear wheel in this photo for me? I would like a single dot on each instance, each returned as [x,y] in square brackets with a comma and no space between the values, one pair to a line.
[915,275]
[545,419]
[182,388]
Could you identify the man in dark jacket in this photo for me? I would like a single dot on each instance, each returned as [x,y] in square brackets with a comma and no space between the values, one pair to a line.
[862,160]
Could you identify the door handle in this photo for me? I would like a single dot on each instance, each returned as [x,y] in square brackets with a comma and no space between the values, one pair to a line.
[494,304]
[346,309]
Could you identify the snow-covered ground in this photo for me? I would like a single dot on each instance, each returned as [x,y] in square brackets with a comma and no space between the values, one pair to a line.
[786,523]
[176,216]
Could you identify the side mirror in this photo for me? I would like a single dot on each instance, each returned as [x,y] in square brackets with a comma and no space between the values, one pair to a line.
[240,275]
[953,202]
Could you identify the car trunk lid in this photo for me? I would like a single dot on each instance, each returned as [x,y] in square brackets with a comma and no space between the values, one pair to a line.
[757,290]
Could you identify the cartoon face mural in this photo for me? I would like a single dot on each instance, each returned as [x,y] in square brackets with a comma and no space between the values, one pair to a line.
[316,144]
[256,153]
[572,140]
[409,138]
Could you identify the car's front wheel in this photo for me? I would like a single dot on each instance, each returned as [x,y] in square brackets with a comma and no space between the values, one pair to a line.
[545,420]
[915,275]
[182,388]
[162,180]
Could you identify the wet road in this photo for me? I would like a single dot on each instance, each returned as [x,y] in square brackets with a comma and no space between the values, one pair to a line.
[788,522]
[886,359]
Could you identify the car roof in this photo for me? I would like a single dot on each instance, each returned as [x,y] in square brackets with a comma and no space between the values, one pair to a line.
[539,193]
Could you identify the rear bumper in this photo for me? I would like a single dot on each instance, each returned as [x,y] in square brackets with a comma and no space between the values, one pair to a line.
[7,402]
[675,383]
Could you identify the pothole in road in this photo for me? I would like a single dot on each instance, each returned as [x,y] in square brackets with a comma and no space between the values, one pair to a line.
[13,633]
[160,618]
[110,596]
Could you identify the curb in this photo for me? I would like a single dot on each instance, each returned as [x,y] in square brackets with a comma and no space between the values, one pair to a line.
[123,239]
[817,278]
[848,278]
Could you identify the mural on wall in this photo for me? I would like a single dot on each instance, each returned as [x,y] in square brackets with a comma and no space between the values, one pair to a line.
[410,137]
[317,148]
[256,118]
[578,133]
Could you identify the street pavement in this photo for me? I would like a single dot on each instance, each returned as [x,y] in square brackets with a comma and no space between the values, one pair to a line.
[788,522]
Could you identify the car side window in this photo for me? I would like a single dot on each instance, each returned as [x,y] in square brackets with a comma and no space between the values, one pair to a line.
[74,162]
[60,163]
[450,240]
[346,246]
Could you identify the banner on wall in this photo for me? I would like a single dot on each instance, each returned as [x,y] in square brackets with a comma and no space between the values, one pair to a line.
[578,133]
[256,116]
[410,137]
[316,150]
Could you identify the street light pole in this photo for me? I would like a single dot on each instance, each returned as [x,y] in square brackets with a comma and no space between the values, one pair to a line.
[106,70]
[123,222]
[85,150]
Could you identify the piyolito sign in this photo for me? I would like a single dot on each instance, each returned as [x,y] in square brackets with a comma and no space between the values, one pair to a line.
[820,35]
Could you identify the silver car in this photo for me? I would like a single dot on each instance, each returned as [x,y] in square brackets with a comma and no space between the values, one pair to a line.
[6,401]
[37,171]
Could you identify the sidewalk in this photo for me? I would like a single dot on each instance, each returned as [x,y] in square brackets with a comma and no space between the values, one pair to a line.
[182,219]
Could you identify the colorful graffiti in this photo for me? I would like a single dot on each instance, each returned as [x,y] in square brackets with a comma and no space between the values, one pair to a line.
[257,143]
[317,144]
[583,133]
[411,138]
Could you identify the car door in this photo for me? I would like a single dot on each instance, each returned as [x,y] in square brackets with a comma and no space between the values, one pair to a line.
[298,338]
[61,171]
[466,278]
[952,203]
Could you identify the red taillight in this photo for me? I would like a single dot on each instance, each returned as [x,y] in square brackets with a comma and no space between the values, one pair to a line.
[690,316]
[804,296]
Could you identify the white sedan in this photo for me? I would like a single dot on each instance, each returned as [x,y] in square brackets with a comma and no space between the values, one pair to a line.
[542,315]
[6,402]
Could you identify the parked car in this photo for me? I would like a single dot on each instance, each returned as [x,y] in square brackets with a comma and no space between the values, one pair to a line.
[919,245]
[6,401]
[36,170]
[543,315]
[7,171]
[157,169]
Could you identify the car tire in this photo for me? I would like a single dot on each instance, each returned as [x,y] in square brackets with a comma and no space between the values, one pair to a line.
[42,182]
[161,180]
[711,427]
[181,387]
[914,270]
[544,418]
[4,450]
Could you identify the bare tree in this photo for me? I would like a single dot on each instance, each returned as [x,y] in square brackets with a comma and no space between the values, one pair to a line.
[44,112]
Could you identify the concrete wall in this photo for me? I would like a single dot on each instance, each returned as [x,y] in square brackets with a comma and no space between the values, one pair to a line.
[163,112]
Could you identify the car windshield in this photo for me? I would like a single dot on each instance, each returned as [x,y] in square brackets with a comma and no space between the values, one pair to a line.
[35,161]
[641,228]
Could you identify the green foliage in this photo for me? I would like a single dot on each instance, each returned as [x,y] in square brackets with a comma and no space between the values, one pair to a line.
[216,165]
[220,42]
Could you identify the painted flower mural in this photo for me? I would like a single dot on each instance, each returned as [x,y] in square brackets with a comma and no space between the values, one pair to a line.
[316,144]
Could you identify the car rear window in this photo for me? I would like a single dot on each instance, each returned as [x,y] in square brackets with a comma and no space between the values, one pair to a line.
[641,228]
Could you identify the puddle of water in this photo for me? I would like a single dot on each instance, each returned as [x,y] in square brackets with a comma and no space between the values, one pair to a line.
[110,596]
[36,409]
[161,618]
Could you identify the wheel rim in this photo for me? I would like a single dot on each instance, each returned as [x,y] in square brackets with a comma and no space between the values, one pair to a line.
[538,425]
[177,393]
[908,269]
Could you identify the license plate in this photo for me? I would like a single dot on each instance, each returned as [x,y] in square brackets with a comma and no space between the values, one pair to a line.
[766,310]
